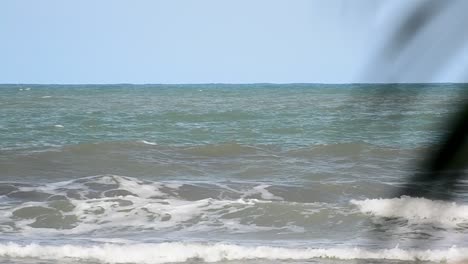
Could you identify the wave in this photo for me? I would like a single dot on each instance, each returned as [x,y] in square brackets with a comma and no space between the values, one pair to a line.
[115,150]
[227,149]
[222,150]
[147,253]
[149,143]
[109,203]
[104,202]
[352,150]
[416,210]
[150,157]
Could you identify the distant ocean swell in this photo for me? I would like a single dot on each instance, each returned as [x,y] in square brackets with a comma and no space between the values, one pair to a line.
[181,252]
[148,158]
[228,149]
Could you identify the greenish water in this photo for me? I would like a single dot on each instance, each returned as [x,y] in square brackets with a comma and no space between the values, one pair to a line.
[286,115]
[261,172]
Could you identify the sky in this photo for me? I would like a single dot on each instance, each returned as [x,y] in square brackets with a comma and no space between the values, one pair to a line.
[228,41]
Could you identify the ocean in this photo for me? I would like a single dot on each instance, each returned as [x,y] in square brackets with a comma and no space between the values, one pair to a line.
[252,173]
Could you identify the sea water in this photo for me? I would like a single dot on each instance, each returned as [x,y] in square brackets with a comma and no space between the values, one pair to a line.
[258,173]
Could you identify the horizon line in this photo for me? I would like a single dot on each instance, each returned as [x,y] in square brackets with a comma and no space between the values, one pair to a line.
[223,83]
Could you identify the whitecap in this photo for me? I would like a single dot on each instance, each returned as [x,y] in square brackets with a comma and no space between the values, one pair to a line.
[148,143]
[155,253]
[263,192]
[416,210]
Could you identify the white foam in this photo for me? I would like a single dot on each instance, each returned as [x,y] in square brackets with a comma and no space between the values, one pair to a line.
[148,253]
[58,126]
[264,193]
[142,189]
[148,143]
[110,202]
[158,214]
[417,210]
[46,96]
[109,213]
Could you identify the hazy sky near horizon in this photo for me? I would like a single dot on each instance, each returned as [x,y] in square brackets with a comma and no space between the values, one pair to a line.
[212,41]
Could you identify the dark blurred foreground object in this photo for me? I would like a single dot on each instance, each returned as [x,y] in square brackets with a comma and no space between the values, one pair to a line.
[441,171]
[423,43]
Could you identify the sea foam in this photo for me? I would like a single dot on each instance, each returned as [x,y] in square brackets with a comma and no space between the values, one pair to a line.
[148,143]
[107,203]
[149,253]
[416,210]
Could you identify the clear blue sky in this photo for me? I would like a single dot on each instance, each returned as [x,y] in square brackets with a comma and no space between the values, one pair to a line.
[202,41]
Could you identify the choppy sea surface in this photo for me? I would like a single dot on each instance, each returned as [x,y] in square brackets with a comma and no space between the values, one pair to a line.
[261,173]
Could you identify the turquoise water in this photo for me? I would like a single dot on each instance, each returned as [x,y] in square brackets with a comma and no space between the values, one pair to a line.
[286,115]
[257,172]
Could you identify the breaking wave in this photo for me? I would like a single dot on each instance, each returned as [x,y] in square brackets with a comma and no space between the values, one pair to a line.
[416,210]
[107,203]
[147,253]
